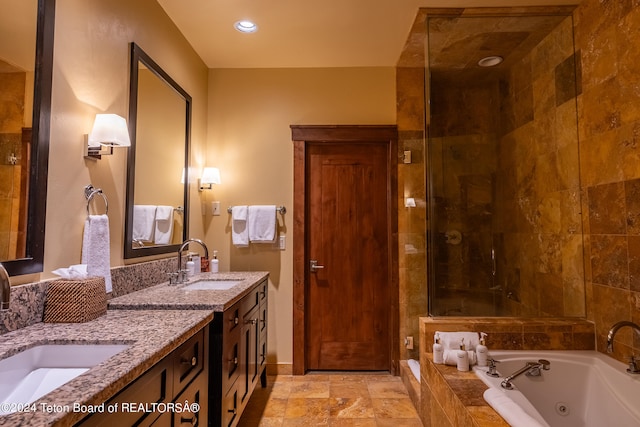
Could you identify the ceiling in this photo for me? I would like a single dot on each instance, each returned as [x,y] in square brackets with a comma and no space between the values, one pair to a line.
[301,33]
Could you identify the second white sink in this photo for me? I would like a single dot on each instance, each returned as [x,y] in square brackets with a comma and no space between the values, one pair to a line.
[211,285]
[27,376]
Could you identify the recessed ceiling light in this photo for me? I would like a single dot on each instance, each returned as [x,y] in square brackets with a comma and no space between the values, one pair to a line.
[490,61]
[245,26]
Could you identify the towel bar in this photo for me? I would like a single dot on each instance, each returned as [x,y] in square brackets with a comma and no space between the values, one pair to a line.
[281,209]
[89,193]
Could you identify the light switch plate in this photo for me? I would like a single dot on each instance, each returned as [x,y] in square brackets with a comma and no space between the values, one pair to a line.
[215,208]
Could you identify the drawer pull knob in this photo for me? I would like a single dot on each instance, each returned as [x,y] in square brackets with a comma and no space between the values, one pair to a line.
[192,362]
[235,320]
[252,321]
[191,420]
[234,360]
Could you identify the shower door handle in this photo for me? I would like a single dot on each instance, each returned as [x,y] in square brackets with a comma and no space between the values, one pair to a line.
[313,266]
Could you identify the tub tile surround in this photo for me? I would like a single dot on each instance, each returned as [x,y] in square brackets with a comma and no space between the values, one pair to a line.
[452,398]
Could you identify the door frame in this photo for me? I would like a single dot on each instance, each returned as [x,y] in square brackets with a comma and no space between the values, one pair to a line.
[302,135]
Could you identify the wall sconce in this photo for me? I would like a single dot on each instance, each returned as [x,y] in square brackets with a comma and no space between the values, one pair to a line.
[109,130]
[409,202]
[209,177]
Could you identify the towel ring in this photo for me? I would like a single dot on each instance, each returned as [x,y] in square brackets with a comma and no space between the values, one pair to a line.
[89,193]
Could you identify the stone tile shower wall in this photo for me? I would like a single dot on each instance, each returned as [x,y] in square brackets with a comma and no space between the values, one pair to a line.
[607,34]
[538,222]
[412,259]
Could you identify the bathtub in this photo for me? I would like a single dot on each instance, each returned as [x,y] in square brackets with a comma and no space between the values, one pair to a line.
[582,389]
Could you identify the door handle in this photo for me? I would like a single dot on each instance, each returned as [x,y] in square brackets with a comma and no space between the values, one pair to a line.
[313,266]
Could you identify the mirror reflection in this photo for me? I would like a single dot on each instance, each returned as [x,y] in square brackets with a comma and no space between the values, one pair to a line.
[17,61]
[157,189]
[26,56]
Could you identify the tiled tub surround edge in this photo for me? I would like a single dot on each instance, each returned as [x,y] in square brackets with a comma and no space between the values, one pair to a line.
[152,335]
[452,398]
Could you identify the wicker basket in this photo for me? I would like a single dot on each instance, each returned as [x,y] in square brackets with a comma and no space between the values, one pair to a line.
[75,301]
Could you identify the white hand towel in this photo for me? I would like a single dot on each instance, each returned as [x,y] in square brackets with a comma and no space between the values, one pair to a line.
[451,340]
[510,410]
[164,225]
[261,221]
[95,248]
[239,230]
[143,222]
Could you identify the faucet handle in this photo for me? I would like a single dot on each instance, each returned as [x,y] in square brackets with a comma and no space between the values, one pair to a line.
[633,365]
[173,278]
[492,372]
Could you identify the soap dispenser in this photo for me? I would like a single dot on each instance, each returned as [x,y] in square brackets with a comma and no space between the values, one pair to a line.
[482,353]
[462,358]
[438,350]
[214,262]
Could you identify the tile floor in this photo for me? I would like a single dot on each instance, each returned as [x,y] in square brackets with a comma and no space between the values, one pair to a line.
[331,399]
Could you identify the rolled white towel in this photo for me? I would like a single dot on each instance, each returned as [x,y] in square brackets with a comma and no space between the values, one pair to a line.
[451,340]
[450,357]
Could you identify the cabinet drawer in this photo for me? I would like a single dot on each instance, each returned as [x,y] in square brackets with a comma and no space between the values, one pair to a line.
[250,301]
[232,318]
[153,387]
[188,361]
[263,288]
[196,392]
[230,359]
[230,407]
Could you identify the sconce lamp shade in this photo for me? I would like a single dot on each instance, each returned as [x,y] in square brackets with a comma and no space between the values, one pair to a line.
[210,176]
[109,129]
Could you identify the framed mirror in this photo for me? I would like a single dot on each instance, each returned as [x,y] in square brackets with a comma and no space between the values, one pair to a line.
[26,64]
[157,201]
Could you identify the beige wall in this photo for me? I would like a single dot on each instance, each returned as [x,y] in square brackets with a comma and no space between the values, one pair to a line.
[91,75]
[250,111]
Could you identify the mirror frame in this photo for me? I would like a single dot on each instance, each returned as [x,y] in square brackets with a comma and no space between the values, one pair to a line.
[139,56]
[33,262]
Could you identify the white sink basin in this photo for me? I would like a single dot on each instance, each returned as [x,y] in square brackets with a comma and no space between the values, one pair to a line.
[211,285]
[27,376]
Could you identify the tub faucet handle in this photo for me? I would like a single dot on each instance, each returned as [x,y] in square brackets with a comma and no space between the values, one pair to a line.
[492,372]
[633,365]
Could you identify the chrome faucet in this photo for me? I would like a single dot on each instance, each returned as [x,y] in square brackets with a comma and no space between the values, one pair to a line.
[5,289]
[633,367]
[532,369]
[181,275]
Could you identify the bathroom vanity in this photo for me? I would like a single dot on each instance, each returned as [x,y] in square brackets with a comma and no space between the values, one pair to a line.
[198,345]
[156,343]
[237,335]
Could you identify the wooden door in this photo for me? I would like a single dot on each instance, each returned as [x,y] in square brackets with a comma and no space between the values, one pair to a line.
[348,236]
[340,316]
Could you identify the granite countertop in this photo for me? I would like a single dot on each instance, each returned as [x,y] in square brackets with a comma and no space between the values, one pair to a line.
[151,335]
[173,297]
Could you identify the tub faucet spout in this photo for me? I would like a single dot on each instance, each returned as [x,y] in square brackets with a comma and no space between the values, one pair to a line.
[614,330]
[5,289]
[533,369]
